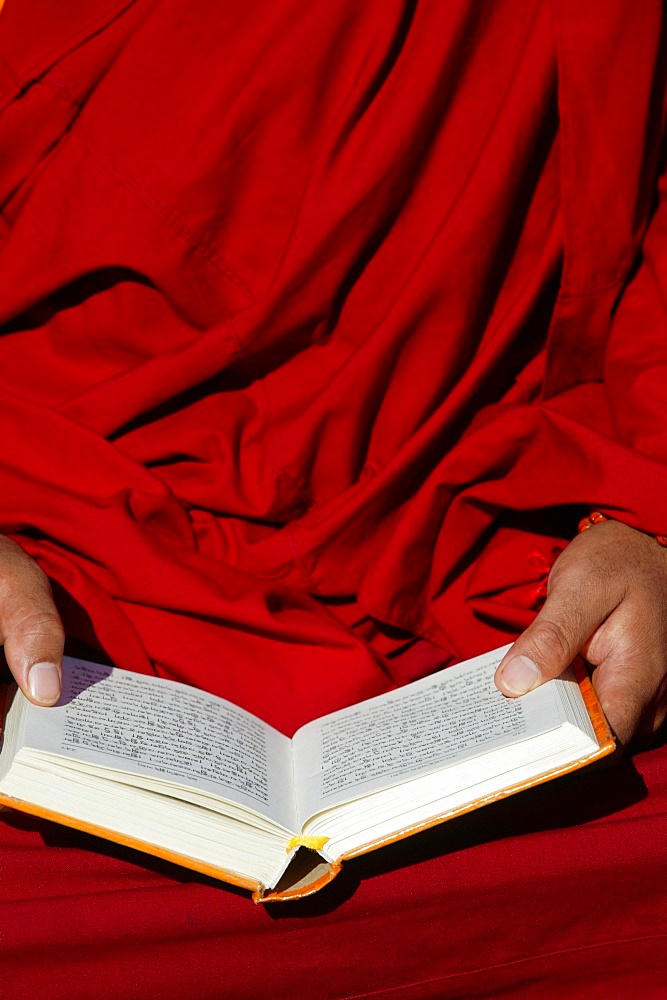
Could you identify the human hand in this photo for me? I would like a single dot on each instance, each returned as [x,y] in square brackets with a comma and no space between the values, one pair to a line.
[30,626]
[606,599]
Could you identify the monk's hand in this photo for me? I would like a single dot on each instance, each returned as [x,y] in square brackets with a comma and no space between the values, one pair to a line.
[30,627]
[606,599]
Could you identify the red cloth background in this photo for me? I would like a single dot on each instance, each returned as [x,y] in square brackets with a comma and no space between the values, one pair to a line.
[321,325]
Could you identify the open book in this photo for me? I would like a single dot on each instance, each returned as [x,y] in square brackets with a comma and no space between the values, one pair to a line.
[193,778]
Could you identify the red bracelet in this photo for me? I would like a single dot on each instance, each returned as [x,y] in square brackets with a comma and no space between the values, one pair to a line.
[597,518]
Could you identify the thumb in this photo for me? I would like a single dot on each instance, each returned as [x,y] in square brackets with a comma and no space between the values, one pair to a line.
[552,641]
[30,626]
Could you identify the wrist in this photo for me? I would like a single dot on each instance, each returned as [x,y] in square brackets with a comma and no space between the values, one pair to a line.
[597,517]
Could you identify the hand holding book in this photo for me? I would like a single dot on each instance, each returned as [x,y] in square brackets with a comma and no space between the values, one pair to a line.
[606,601]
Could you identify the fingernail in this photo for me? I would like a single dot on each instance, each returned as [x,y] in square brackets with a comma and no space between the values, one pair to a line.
[520,674]
[44,682]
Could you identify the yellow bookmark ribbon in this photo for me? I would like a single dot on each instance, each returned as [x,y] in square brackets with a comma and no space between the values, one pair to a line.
[314,843]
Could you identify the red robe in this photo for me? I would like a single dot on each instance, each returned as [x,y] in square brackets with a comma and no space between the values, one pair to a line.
[321,325]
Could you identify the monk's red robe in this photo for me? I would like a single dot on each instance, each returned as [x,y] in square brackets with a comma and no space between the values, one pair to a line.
[321,325]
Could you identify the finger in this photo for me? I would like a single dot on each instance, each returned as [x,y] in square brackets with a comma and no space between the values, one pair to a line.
[30,626]
[573,611]
[629,672]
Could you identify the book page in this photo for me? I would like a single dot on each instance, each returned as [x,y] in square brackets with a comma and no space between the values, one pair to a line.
[163,729]
[453,715]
